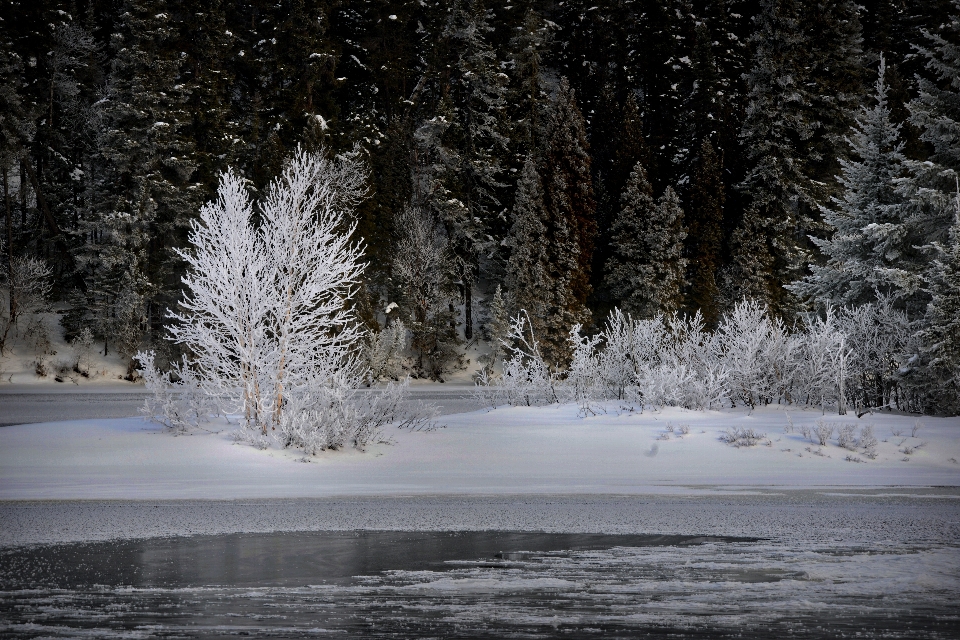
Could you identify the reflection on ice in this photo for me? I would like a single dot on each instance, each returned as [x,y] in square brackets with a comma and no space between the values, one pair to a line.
[491,585]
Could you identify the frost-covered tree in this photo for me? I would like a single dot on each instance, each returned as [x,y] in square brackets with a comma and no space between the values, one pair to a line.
[930,184]
[647,268]
[424,272]
[527,279]
[872,248]
[940,336]
[265,312]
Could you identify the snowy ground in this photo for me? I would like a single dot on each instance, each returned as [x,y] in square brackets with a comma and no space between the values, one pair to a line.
[546,450]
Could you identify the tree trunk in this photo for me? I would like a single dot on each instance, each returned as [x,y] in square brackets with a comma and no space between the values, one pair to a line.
[467,309]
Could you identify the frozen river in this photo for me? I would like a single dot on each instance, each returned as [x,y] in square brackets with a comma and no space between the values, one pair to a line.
[803,564]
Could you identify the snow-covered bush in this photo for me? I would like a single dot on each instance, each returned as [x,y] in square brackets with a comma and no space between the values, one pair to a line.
[846,436]
[751,359]
[384,352]
[179,401]
[83,351]
[526,378]
[822,432]
[742,437]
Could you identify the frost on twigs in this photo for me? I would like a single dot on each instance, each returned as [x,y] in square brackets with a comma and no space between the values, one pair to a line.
[266,311]
[742,437]
[178,405]
[527,379]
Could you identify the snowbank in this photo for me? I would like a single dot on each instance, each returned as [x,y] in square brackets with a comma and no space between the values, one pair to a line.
[517,450]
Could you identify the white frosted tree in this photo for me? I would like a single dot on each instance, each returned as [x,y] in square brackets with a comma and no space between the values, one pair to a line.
[646,270]
[265,313]
[872,247]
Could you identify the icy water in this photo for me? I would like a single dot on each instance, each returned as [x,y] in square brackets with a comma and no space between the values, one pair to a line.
[477,585]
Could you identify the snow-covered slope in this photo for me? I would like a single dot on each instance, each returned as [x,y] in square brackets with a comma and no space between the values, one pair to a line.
[539,450]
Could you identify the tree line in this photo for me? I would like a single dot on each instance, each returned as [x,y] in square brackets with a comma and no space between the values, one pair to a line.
[565,158]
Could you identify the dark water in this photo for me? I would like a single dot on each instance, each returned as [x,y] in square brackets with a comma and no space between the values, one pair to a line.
[477,585]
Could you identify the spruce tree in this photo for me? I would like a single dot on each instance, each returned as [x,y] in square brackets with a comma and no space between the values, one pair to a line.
[872,248]
[569,196]
[527,267]
[936,113]
[646,271]
[940,337]
[141,189]
[705,220]
[466,142]
[833,65]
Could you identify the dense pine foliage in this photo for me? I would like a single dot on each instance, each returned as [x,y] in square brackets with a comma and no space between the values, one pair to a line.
[561,157]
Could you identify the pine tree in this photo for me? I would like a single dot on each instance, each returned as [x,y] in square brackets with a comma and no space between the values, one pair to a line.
[646,270]
[527,267]
[749,274]
[141,189]
[871,250]
[835,74]
[936,113]
[569,195]
[705,220]
[529,97]
[940,336]
[467,142]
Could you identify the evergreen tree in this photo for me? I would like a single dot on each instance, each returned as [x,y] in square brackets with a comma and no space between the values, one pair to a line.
[936,113]
[527,268]
[529,97]
[141,192]
[872,248]
[646,270]
[466,137]
[569,197]
[749,273]
[705,220]
[835,73]
[940,336]
[775,130]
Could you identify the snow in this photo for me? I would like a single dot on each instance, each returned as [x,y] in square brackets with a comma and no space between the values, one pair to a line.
[511,450]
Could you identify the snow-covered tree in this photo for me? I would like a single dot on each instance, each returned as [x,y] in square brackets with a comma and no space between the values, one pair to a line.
[647,268]
[527,278]
[568,186]
[940,337]
[265,311]
[929,186]
[705,238]
[872,248]
[424,271]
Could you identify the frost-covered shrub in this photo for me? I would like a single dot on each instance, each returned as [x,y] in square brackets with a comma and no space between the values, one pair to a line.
[384,352]
[527,379]
[83,351]
[742,437]
[867,442]
[750,360]
[179,401]
[846,436]
[335,416]
[822,432]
